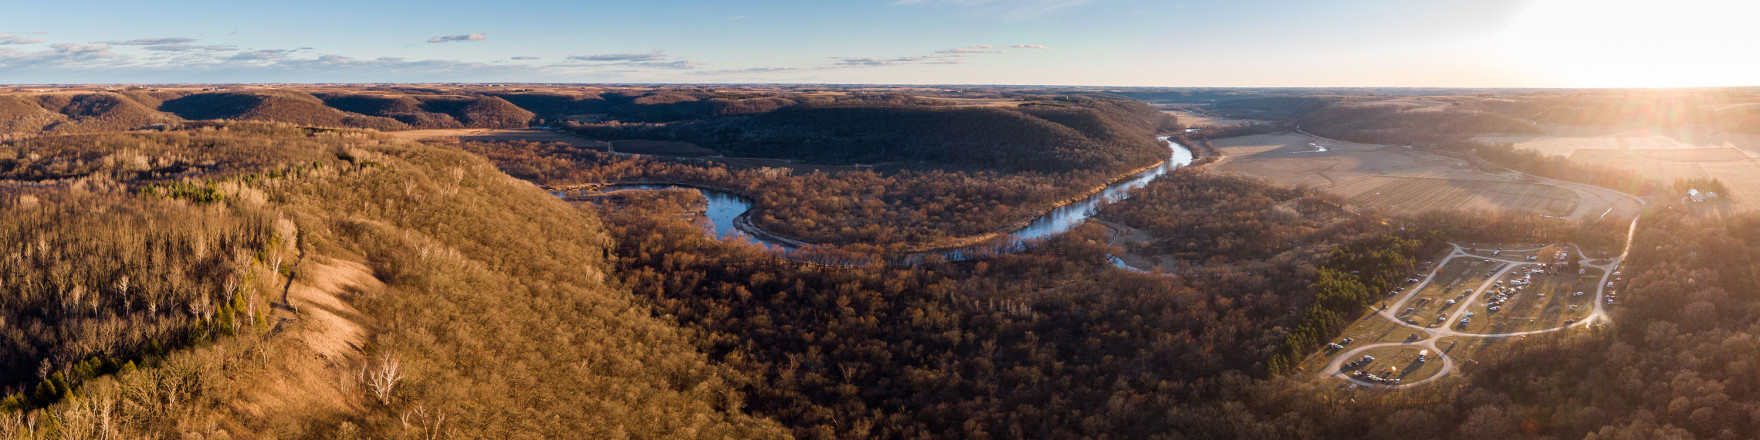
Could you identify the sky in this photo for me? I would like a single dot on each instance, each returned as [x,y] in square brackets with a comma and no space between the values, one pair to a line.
[1177,43]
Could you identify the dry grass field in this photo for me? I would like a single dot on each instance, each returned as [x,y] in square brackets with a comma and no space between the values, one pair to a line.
[1450,284]
[1564,140]
[1194,119]
[1402,363]
[1402,180]
[1740,174]
[1415,195]
[1546,304]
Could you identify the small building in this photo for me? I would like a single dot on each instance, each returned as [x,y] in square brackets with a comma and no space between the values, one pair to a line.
[1694,195]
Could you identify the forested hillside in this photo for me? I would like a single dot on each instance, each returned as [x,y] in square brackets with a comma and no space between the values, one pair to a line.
[1048,136]
[308,283]
[1048,344]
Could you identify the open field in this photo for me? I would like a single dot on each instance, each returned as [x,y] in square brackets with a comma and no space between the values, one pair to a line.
[1661,154]
[1369,329]
[1671,155]
[1737,172]
[663,148]
[1450,284]
[1467,350]
[1405,181]
[1545,303]
[1564,140]
[1194,119]
[1401,362]
[1414,195]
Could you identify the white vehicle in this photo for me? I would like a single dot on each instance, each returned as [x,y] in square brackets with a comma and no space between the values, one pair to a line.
[1422,354]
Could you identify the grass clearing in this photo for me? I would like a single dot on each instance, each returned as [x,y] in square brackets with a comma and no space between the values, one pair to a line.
[1372,328]
[1466,350]
[1401,363]
[1450,283]
[1547,301]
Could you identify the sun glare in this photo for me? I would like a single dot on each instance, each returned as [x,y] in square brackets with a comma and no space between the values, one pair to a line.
[1636,43]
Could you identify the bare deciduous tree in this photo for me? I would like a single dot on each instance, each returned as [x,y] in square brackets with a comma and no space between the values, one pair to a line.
[383,378]
[431,423]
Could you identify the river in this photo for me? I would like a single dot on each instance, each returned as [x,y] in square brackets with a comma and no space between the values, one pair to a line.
[724,208]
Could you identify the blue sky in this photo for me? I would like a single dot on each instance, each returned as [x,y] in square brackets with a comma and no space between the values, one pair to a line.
[1071,42]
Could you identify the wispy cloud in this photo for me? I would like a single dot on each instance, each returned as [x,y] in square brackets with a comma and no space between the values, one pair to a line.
[64,55]
[1028,46]
[627,57]
[523,58]
[463,37]
[151,41]
[945,56]
[609,61]
[14,39]
[969,50]
[1013,9]
[262,55]
[750,70]
[189,47]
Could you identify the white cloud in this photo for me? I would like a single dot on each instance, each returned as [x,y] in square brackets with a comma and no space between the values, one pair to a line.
[189,47]
[969,50]
[262,55]
[152,41]
[651,60]
[1012,9]
[14,39]
[944,56]
[464,37]
[1028,46]
[523,58]
[626,57]
[745,71]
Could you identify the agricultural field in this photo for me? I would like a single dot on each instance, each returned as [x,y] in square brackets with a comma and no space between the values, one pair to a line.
[1547,302]
[1403,180]
[1738,173]
[1563,140]
[1411,195]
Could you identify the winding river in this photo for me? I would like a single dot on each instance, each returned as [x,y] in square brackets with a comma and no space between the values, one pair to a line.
[726,208]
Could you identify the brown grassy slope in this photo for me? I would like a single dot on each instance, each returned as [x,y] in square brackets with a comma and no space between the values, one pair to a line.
[94,112]
[22,115]
[274,106]
[427,112]
[479,111]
